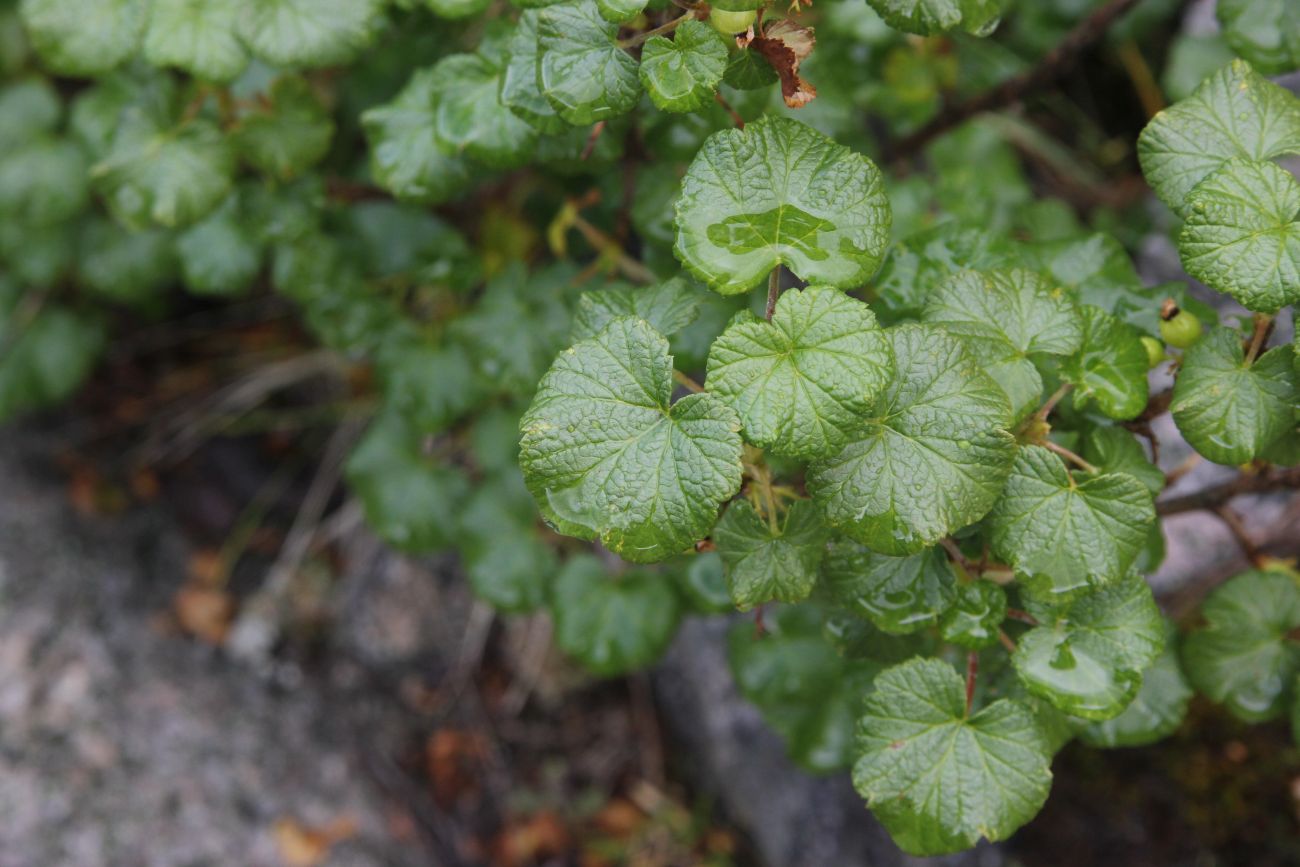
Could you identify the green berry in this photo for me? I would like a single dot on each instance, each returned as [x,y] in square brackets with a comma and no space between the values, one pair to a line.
[731,23]
[1181,330]
[1155,351]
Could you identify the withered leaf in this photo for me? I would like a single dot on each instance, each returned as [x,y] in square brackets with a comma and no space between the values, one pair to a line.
[785,45]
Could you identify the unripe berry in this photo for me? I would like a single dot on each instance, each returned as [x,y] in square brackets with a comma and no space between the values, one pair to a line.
[731,23]
[1181,330]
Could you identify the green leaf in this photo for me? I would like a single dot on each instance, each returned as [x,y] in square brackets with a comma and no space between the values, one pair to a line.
[779,192]
[29,109]
[1111,367]
[703,583]
[1264,32]
[766,563]
[805,689]
[43,182]
[405,157]
[917,266]
[668,306]
[682,74]
[1116,450]
[897,594]
[1234,113]
[132,268]
[310,33]
[803,383]
[581,70]
[1061,534]
[939,779]
[37,255]
[620,11]
[83,39]
[612,623]
[930,17]
[605,454]
[220,255]
[1155,712]
[408,499]
[289,131]
[520,91]
[1241,236]
[749,70]
[430,384]
[470,117]
[932,457]
[517,327]
[46,354]
[1098,271]
[510,572]
[198,37]
[1245,657]
[1230,412]
[1018,307]
[976,615]
[165,176]
[456,9]
[1088,659]
[508,564]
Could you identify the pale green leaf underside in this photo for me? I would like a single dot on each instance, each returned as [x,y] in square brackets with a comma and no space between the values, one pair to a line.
[668,306]
[932,457]
[805,381]
[683,74]
[76,37]
[762,565]
[1242,236]
[581,71]
[1234,113]
[1088,662]
[1155,712]
[930,17]
[937,779]
[1062,534]
[604,453]
[1228,411]
[779,192]
[1264,32]
[897,594]
[1243,658]
[197,36]
[612,623]
[310,33]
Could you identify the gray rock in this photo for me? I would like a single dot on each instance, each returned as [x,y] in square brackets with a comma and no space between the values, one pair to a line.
[794,819]
[122,744]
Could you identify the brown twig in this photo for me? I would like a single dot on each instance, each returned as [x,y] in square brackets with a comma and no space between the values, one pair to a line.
[1053,65]
[773,291]
[1216,495]
[638,38]
[1022,616]
[726,106]
[1233,522]
[687,383]
[1263,325]
[1006,641]
[1050,404]
[1070,456]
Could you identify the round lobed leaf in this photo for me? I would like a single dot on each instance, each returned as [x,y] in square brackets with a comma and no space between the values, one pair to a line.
[779,192]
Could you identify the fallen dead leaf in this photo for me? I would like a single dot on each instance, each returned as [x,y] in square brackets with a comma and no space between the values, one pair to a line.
[302,845]
[530,839]
[204,612]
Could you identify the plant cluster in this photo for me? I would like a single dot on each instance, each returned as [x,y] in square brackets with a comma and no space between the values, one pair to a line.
[903,416]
